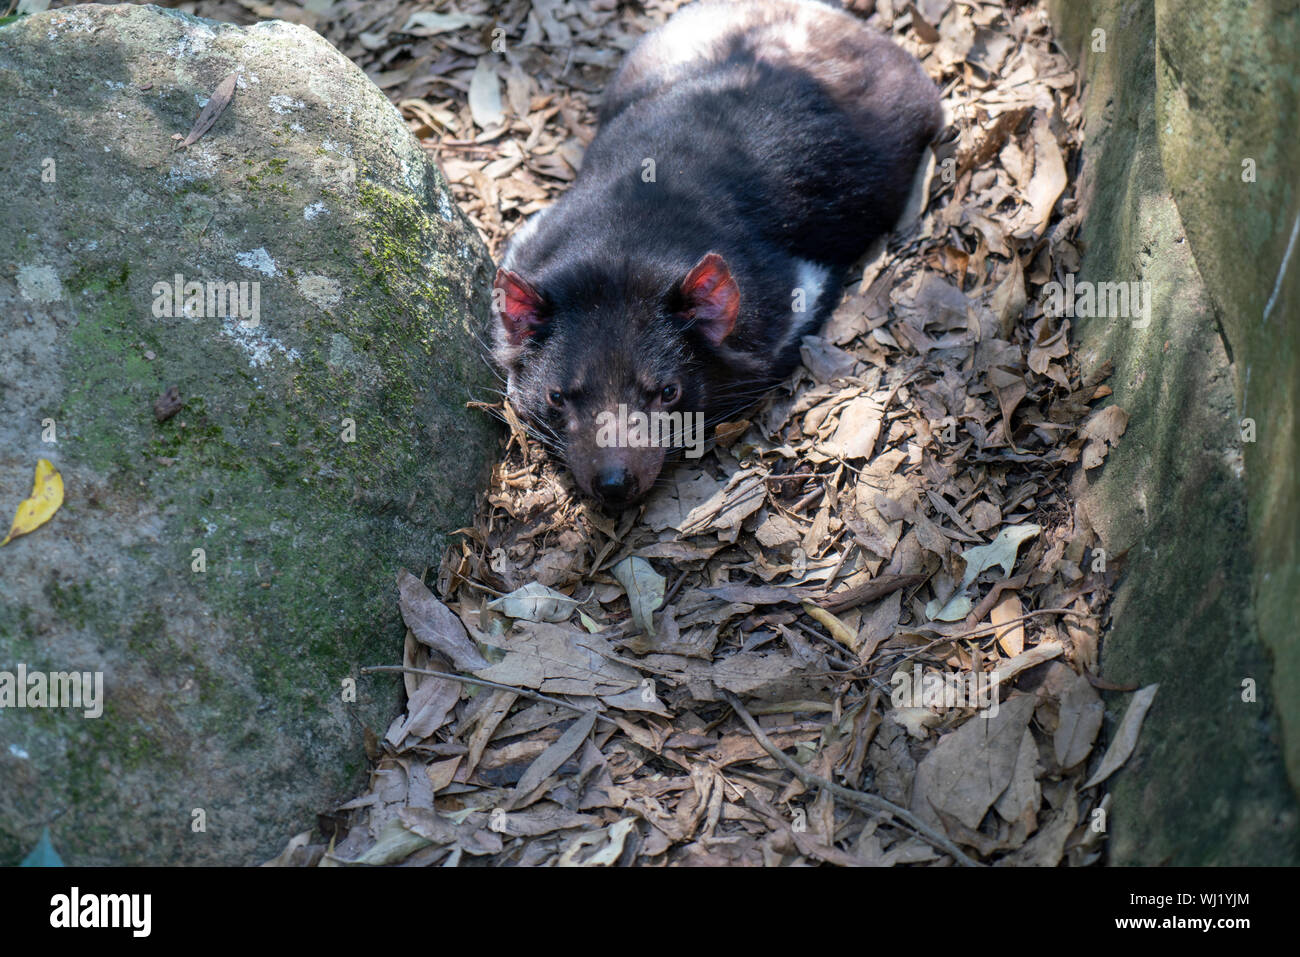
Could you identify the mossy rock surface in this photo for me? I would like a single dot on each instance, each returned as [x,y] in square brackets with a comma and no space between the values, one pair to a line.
[323,441]
[1200,497]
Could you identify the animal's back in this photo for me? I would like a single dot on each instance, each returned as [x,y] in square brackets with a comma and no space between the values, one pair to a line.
[786,119]
[808,122]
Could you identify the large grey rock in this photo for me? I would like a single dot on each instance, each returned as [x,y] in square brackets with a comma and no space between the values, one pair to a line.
[1179,97]
[224,688]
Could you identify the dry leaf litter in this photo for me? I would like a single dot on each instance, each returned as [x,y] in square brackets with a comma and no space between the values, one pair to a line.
[712,679]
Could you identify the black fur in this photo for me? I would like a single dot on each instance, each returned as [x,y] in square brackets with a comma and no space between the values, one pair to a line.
[765,151]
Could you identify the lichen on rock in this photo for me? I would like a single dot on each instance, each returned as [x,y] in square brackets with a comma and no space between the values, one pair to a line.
[302,276]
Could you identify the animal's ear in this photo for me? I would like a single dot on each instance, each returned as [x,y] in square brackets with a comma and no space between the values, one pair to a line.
[711,298]
[519,305]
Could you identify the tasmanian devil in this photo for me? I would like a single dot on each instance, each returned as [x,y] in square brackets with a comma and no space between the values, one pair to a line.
[747,154]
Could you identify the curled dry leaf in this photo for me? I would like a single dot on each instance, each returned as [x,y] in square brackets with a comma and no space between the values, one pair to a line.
[1035,656]
[645,590]
[1011,640]
[839,631]
[1049,178]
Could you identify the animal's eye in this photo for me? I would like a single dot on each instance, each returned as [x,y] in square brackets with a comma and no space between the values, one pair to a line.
[670,393]
[556,398]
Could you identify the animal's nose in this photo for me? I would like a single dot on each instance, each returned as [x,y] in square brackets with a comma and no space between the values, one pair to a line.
[615,485]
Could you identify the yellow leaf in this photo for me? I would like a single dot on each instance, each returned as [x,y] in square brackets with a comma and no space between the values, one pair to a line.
[1008,609]
[46,497]
[839,631]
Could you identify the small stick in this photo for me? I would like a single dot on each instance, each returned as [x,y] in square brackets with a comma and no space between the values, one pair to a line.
[870,802]
[984,629]
[491,591]
[523,693]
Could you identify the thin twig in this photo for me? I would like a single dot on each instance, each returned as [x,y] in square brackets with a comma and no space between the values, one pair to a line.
[523,693]
[1003,626]
[871,802]
[481,587]
[672,592]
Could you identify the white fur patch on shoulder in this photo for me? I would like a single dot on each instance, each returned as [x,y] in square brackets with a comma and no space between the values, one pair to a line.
[810,278]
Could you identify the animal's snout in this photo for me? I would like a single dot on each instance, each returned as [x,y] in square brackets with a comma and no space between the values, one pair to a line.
[615,485]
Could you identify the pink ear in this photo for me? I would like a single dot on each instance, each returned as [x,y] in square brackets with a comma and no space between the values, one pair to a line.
[712,298]
[518,303]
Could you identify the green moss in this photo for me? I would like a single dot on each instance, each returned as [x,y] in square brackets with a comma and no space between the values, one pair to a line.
[302,532]
[70,601]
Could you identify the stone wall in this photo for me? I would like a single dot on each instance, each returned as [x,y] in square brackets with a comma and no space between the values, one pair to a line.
[1189,179]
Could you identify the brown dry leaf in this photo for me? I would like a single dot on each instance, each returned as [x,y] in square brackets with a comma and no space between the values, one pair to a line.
[992,140]
[761,594]
[1126,735]
[557,660]
[685,491]
[434,624]
[776,530]
[550,760]
[1049,178]
[825,361]
[1018,804]
[441,773]
[426,711]
[1102,432]
[878,625]
[970,768]
[1035,656]
[1048,344]
[485,95]
[545,818]
[1010,389]
[859,427]
[925,30]
[1081,716]
[985,515]
[1008,298]
[1046,848]
[741,497]
[763,676]
[212,110]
